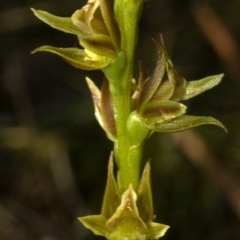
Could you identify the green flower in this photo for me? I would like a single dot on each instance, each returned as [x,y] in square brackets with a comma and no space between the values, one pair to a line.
[96,29]
[129,216]
[155,99]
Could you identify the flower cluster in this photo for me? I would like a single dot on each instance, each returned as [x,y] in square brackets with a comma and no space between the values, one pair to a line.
[127,216]
[155,99]
[96,30]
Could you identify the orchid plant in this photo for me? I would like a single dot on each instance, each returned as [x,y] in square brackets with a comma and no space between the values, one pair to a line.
[129,110]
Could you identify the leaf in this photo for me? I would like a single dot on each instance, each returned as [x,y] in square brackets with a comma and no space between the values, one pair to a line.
[181,123]
[194,88]
[144,202]
[150,87]
[112,196]
[77,57]
[64,24]
[162,110]
[96,223]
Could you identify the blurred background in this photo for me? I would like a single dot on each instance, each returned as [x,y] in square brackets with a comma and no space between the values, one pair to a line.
[53,154]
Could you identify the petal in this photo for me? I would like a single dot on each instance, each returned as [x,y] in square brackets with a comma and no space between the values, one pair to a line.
[76,57]
[78,19]
[112,27]
[96,223]
[144,202]
[60,23]
[194,88]
[174,79]
[142,74]
[137,88]
[182,123]
[152,84]
[98,26]
[112,196]
[95,25]
[157,111]
[165,91]
[99,44]
[90,8]
[166,88]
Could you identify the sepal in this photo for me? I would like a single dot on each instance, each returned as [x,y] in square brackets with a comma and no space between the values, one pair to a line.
[112,197]
[95,223]
[96,96]
[107,110]
[64,24]
[144,193]
[182,123]
[194,88]
[156,230]
[78,58]
[103,108]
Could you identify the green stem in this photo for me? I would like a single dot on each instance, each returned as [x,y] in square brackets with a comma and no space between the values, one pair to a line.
[127,157]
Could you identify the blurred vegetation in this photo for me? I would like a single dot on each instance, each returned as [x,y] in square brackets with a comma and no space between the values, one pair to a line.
[54,155]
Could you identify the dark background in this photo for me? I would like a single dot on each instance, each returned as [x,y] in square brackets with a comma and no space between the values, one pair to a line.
[53,155]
